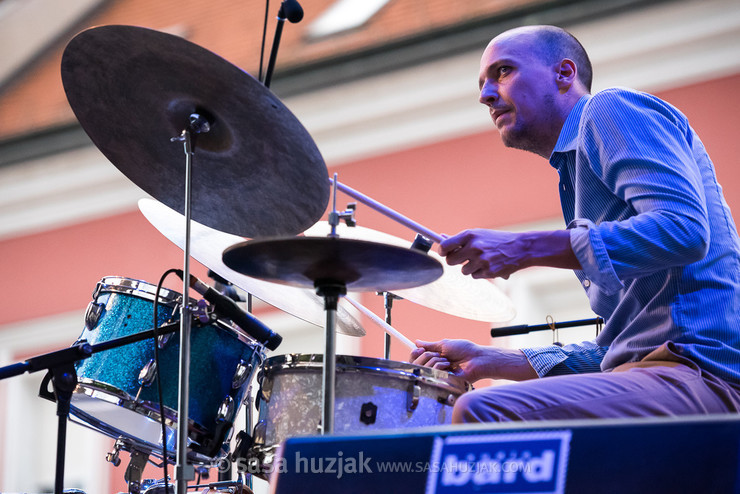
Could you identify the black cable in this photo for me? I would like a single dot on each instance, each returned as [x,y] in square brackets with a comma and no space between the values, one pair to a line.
[159,380]
[264,36]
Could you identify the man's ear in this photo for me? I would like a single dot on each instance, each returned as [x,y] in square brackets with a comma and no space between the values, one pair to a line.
[567,74]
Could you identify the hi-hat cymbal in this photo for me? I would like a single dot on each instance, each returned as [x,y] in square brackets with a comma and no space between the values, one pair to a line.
[359,265]
[453,293]
[207,246]
[256,172]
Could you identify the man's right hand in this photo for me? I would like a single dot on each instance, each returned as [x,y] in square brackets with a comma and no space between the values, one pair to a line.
[471,361]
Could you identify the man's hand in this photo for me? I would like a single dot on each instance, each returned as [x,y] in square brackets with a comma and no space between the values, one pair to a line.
[497,254]
[473,362]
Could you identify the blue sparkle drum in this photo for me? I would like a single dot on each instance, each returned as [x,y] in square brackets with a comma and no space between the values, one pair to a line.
[117,390]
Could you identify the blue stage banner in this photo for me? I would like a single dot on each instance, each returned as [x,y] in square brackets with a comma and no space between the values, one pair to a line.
[512,463]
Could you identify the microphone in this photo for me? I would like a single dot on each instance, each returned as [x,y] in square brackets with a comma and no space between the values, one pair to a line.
[226,307]
[291,10]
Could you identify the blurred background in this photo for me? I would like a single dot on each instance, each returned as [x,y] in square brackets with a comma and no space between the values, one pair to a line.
[387,90]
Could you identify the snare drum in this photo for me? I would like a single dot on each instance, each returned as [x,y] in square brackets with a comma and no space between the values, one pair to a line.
[370,394]
[117,390]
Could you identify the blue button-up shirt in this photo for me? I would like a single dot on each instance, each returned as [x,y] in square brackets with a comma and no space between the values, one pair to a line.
[657,244]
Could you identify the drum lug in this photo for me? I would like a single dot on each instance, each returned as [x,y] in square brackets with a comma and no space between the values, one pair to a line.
[226,410]
[242,373]
[148,373]
[368,413]
[265,392]
[412,399]
[163,339]
[259,433]
[92,314]
[449,400]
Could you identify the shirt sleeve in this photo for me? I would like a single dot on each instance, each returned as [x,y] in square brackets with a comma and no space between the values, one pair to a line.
[639,148]
[554,360]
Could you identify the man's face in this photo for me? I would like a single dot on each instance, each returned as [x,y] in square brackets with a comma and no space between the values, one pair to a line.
[520,91]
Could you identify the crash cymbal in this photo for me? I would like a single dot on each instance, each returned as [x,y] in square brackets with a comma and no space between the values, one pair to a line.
[452,293]
[312,261]
[256,172]
[207,246]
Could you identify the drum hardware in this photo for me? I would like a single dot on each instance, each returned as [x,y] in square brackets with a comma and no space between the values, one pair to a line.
[388,299]
[242,373]
[348,216]
[92,314]
[135,471]
[226,410]
[414,394]
[551,326]
[148,373]
[449,400]
[368,412]
[114,455]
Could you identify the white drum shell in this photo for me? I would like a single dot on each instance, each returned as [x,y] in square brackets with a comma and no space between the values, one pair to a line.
[405,395]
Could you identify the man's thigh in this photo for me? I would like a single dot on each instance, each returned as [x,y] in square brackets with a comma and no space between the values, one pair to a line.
[637,392]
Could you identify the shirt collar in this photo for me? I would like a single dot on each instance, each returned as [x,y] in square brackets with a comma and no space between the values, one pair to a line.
[569,132]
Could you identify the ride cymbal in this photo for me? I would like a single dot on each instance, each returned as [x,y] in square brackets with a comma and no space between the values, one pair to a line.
[255,173]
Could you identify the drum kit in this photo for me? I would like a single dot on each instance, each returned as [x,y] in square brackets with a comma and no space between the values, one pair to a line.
[138,93]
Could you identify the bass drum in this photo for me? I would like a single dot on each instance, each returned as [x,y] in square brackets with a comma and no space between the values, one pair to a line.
[371,394]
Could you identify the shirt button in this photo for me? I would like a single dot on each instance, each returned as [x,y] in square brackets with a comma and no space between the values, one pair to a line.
[563,185]
[587,283]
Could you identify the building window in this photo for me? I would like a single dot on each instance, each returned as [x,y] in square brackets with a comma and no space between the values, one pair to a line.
[344,15]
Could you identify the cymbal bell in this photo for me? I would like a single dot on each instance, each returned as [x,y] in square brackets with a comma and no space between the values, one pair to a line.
[207,246]
[452,293]
[255,173]
[315,261]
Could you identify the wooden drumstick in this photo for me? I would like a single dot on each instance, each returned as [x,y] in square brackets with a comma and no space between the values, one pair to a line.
[384,325]
[398,217]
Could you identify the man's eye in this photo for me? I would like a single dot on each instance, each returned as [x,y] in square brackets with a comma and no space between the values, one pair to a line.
[503,70]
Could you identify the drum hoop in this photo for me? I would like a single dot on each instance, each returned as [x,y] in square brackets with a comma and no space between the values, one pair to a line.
[91,387]
[167,297]
[131,443]
[348,363]
[139,288]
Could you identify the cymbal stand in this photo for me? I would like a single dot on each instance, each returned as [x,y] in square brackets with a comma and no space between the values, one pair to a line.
[330,290]
[422,244]
[388,299]
[183,471]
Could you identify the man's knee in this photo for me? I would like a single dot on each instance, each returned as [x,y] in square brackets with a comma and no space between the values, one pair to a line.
[480,405]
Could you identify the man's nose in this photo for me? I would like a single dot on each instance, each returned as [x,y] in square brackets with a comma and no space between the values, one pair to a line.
[488,93]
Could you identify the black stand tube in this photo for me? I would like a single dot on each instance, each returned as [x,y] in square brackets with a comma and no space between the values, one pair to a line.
[526,328]
[273,52]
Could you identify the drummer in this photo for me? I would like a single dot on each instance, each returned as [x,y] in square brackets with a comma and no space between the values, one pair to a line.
[648,234]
